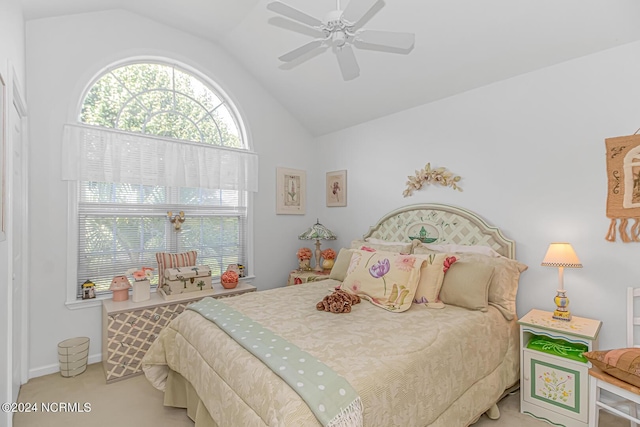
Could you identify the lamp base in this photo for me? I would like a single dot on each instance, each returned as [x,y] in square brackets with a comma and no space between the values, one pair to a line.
[318,266]
[562,302]
[562,315]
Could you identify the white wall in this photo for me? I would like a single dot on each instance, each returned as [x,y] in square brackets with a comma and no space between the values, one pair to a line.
[12,66]
[531,153]
[63,55]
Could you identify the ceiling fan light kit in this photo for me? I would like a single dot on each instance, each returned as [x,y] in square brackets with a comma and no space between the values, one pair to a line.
[341,31]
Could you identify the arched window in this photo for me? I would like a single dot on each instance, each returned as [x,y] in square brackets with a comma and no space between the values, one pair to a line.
[153,138]
[161,100]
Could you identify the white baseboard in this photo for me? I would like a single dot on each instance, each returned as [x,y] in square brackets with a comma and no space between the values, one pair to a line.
[52,369]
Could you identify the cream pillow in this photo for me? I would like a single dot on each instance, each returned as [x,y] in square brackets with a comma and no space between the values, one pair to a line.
[466,284]
[477,249]
[397,247]
[387,279]
[413,243]
[339,270]
[383,242]
[504,282]
[432,276]
[421,249]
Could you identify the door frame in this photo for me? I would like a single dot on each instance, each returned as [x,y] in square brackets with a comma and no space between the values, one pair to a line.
[16,99]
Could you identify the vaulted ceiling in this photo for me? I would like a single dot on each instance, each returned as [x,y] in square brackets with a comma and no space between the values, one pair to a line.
[459,45]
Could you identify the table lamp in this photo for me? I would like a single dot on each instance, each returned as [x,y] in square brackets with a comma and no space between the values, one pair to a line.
[317,232]
[561,255]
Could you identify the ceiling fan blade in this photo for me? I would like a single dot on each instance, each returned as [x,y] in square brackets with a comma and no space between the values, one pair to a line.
[295,14]
[306,48]
[356,9]
[404,41]
[298,27]
[347,61]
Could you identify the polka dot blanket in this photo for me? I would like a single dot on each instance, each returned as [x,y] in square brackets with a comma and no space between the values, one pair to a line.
[329,396]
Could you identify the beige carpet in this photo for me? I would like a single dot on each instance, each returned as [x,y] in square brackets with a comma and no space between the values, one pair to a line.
[134,402]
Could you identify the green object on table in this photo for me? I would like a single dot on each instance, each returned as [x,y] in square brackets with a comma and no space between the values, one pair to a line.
[558,347]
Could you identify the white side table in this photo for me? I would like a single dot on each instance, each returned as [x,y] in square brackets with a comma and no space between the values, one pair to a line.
[554,379]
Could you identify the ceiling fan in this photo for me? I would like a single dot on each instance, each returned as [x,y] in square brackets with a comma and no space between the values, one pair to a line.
[340,30]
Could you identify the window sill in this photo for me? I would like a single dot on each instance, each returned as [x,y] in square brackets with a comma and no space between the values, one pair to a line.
[79,304]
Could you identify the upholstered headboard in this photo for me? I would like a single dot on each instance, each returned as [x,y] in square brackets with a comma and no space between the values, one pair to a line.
[441,224]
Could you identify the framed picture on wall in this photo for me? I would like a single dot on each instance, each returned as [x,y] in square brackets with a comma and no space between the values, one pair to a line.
[336,188]
[291,189]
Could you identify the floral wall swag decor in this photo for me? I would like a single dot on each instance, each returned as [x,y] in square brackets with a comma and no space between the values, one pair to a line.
[440,176]
[623,193]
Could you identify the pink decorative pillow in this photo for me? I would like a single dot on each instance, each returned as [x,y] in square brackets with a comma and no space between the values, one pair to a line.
[167,260]
[387,279]
[432,274]
[622,363]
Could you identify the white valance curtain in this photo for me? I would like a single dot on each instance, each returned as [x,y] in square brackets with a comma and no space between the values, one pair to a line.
[105,155]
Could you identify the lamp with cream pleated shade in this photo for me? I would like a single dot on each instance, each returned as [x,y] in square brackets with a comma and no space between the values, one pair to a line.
[561,255]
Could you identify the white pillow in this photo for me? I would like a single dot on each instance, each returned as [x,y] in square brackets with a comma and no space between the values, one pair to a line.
[383,242]
[478,249]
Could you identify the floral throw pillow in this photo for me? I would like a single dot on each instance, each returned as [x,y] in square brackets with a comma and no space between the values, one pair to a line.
[387,279]
[432,274]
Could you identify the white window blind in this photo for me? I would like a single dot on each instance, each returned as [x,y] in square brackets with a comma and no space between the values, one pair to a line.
[122,226]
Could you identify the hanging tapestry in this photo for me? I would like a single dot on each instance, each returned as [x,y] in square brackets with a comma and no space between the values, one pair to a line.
[623,195]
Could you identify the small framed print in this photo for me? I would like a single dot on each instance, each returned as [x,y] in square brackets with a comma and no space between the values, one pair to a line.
[336,188]
[291,188]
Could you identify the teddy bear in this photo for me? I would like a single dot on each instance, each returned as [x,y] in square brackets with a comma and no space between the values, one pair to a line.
[338,302]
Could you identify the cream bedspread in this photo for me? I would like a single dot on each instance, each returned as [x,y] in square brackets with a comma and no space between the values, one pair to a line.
[417,368]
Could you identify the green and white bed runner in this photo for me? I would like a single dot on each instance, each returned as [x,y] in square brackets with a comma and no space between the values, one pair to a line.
[329,396]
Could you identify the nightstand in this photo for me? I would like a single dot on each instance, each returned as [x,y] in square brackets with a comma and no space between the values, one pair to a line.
[554,380]
[298,277]
[129,328]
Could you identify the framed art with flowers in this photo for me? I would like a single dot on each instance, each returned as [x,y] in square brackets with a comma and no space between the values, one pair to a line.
[336,188]
[291,189]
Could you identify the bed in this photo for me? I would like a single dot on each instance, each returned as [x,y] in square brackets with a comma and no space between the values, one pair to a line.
[421,367]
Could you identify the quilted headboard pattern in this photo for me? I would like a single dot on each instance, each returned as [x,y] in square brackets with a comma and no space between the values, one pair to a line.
[440,224]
